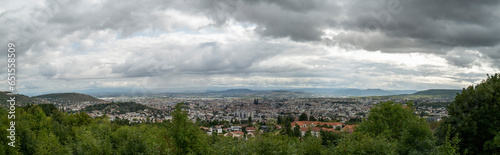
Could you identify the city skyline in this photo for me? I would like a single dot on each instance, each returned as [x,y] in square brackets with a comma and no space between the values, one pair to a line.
[72,46]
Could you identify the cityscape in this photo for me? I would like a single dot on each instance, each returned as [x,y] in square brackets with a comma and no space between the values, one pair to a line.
[249,77]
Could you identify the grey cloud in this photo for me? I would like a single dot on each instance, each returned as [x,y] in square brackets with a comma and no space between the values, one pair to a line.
[464,58]
[394,26]
[298,20]
[425,26]
[445,22]
[197,58]
[47,70]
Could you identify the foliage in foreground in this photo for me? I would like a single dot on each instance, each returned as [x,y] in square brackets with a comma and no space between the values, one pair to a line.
[474,117]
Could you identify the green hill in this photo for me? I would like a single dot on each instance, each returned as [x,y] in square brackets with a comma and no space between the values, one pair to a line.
[68,97]
[118,107]
[20,99]
[439,92]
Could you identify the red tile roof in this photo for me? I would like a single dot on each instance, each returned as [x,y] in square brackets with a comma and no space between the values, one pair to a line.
[238,133]
[315,123]
[349,128]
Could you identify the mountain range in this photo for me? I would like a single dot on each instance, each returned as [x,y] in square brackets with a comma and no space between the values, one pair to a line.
[303,92]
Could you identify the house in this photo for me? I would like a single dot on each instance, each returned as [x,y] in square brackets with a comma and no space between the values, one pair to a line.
[250,131]
[331,124]
[315,131]
[330,129]
[219,129]
[278,126]
[229,134]
[317,124]
[237,134]
[349,128]
[235,128]
[204,128]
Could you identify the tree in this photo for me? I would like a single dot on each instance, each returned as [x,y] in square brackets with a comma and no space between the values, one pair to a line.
[398,124]
[450,146]
[474,116]
[186,137]
[289,118]
[329,137]
[311,118]
[303,117]
[296,131]
[287,129]
[47,143]
[362,143]
[311,145]
[308,133]
[250,121]
[280,120]
[96,139]
[338,128]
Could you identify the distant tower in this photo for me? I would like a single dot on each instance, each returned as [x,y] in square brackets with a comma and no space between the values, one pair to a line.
[256,101]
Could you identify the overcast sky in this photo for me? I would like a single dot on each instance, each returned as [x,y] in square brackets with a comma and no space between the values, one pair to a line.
[76,45]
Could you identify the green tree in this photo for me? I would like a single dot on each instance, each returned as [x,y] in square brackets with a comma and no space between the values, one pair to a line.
[303,117]
[186,136]
[4,125]
[48,144]
[311,145]
[362,143]
[287,129]
[311,118]
[250,123]
[280,120]
[398,124]
[296,131]
[308,133]
[474,116]
[329,137]
[338,128]
[450,146]
[94,139]
[128,140]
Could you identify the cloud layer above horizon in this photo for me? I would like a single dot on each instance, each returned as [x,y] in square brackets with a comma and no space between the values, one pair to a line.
[65,45]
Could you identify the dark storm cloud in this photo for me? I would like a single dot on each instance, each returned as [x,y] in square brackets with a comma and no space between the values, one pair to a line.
[446,23]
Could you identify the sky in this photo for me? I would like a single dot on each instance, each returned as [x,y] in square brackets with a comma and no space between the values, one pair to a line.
[178,45]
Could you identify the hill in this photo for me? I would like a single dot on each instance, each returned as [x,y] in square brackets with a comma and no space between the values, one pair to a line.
[20,99]
[439,92]
[68,97]
[353,92]
[118,107]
